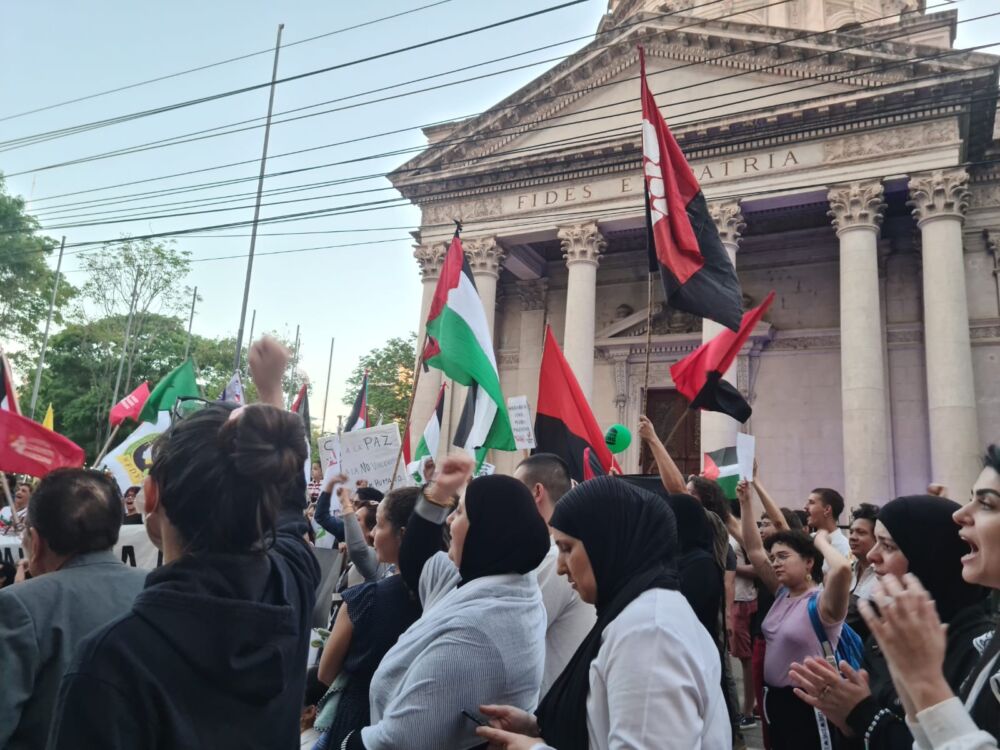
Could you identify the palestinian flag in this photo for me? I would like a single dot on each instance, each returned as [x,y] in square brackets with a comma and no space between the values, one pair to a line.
[459,344]
[564,423]
[358,419]
[699,375]
[300,406]
[722,467]
[428,445]
[8,394]
[697,274]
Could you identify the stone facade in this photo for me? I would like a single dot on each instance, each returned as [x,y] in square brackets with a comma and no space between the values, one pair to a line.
[836,168]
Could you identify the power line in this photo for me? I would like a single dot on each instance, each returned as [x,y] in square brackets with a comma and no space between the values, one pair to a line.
[39,137]
[246,56]
[821,79]
[534,124]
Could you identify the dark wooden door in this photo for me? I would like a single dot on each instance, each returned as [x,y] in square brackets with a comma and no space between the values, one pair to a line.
[664,407]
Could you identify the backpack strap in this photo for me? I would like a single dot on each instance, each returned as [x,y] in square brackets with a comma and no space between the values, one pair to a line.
[824,641]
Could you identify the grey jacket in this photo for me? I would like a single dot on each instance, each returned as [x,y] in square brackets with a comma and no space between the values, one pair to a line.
[42,621]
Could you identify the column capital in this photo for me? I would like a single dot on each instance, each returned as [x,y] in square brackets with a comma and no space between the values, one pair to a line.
[942,193]
[857,205]
[430,258]
[485,256]
[581,243]
[532,293]
[728,220]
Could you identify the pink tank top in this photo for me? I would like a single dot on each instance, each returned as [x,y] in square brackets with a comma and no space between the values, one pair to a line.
[790,636]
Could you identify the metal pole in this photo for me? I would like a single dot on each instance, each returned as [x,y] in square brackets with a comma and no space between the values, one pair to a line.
[409,414]
[187,345]
[256,210]
[295,366]
[253,320]
[48,322]
[128,331]
[326,396]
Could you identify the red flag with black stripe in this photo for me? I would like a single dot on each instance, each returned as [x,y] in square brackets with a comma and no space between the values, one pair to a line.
[564,423]
[699,375]
[698,276]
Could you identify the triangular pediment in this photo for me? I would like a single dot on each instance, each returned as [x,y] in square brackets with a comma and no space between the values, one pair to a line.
[706,75]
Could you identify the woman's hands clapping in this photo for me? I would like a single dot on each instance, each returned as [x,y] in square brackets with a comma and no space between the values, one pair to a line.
[510,728]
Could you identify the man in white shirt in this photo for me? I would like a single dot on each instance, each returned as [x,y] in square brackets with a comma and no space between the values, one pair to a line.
[568,617]
[823,507]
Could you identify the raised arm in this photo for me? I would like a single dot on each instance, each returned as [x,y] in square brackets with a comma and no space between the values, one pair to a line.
[770,507]
[670,475]
[362,555]
[751,540]
[323,516]
[423,531]
[836,583]
[268,360]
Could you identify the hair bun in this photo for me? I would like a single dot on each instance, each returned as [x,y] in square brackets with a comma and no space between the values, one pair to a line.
[266,444]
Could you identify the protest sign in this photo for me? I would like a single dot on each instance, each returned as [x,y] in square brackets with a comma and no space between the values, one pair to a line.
[745,447]
[487,469]
[520,422]
[329,453]
[371,454]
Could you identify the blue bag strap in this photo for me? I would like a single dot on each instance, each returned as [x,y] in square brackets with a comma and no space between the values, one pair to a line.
[820,631]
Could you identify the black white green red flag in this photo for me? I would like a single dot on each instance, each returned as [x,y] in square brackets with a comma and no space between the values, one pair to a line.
[697,274]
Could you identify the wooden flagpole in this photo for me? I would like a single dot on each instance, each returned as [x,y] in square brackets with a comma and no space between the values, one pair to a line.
[649,337]
[107,444]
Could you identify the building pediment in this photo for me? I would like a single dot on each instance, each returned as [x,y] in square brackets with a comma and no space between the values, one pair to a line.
[760,78]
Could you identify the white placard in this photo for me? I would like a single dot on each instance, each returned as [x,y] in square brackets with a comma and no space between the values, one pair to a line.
[371,454]
[487,469]
[329,453]
[745,447]
[134,548]
[520,422]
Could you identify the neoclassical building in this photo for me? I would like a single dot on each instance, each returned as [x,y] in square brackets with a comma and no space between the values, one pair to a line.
[851,159]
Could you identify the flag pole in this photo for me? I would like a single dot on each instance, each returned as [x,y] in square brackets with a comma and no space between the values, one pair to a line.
[256,210]
[649,338]
[253,320]
[409,409]
[326,396]
[187,345]
[128,331]
[677,424]
[295,364]
[45,336]
[107,444]
[10,501]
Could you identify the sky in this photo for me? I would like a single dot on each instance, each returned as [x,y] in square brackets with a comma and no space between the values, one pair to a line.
[359,294]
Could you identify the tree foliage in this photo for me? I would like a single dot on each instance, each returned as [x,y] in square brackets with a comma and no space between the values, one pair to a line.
[390,378]
[25,281]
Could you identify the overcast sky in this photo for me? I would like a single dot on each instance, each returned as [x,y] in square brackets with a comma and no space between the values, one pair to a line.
[362,295]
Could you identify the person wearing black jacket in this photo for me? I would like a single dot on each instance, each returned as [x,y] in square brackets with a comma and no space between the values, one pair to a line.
[213,653]
[914,535]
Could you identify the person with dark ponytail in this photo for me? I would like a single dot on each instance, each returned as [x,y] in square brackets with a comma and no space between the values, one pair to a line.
[213,653]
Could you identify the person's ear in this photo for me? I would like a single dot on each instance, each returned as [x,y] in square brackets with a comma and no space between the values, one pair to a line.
[150,496]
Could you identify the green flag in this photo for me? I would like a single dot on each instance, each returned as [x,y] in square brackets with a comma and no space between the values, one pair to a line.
[179,383]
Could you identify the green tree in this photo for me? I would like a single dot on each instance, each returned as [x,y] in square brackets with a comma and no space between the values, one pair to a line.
[83,359]
[390,378]
[25,282]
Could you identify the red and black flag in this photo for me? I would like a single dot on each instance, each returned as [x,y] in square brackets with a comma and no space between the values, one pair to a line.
[564,423]
[358,419]
[300,406]
[698,276]
[699,375]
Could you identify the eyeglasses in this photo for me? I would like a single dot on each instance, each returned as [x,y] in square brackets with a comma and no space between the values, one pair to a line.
[185,406]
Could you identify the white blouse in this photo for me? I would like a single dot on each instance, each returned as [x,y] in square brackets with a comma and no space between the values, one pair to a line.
[656,681]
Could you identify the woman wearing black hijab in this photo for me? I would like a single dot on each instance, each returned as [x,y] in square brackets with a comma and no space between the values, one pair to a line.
[647,674]
[914,534]
[481,637]
[700,576]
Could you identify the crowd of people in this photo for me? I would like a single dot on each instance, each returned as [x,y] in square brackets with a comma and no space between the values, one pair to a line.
[525,612]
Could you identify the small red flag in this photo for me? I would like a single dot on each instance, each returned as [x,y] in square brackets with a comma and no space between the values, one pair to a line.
[130,406]
[28,448]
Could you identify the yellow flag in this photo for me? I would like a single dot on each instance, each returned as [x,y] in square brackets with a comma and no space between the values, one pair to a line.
[50,419]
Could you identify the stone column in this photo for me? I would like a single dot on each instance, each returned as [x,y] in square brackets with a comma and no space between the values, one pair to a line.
[856,210]
[939,200]
[582,245]
[719,430]
[531,339]
[485,257]
[430,259]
